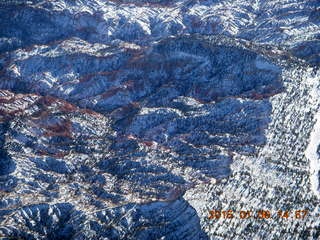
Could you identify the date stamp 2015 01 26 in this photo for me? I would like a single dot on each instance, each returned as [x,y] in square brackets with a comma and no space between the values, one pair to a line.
[259,214]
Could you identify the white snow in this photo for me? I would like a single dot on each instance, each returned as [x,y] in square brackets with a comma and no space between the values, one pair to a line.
[312,155]
[314,142]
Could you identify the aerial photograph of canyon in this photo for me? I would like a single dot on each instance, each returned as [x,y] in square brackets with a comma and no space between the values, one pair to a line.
[159,119]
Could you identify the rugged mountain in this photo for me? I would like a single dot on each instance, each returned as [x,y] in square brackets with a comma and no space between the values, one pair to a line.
[132,119]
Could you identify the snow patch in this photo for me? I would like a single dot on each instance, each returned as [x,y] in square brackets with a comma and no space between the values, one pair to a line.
[311,152]
[312,155]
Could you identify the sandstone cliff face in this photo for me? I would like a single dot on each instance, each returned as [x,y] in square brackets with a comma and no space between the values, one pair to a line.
[130,119]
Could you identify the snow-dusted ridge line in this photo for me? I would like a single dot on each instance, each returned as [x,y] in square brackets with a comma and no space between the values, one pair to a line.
[311,151]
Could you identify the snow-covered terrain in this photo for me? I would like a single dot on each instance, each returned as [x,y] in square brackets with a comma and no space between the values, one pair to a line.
[130,119]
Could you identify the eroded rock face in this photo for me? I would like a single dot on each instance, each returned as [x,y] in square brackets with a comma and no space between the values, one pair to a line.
[112,113]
